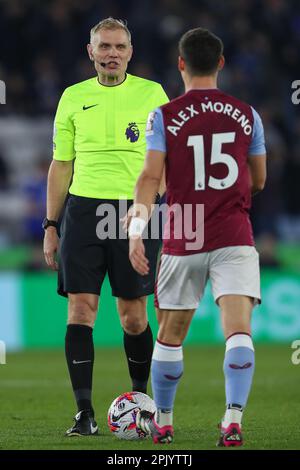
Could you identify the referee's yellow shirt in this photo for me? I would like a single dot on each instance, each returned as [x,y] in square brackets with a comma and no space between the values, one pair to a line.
[102,129]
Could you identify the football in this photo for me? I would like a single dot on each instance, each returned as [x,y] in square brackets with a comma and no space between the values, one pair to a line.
[122,414]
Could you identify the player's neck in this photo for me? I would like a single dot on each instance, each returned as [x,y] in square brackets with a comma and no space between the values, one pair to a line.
[204,83]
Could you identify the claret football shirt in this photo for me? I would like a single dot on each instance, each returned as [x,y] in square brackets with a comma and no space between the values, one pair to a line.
[102,128]
[208,137]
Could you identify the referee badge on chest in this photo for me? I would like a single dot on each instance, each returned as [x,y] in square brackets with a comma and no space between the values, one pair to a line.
[132,132]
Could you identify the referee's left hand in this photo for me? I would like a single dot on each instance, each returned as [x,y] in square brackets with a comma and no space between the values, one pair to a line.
[137,255]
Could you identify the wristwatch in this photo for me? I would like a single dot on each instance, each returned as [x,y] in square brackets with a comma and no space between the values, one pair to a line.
[49,223]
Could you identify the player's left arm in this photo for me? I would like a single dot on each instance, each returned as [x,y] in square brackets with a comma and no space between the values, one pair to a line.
[257,158]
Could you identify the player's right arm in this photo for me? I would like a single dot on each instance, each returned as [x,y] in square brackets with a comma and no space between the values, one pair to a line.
[160,98]
[59,175]
[147,186]
[257,159]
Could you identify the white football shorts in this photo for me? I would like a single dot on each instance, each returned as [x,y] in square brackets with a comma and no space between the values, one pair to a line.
[181,280]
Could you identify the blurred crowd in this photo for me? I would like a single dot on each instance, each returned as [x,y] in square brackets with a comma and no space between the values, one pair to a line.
[43,50]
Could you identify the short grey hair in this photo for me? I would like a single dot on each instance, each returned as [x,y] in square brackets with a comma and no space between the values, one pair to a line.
[112,24]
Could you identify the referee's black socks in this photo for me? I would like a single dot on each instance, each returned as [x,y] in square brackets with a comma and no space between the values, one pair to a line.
[139,349]
[79,348]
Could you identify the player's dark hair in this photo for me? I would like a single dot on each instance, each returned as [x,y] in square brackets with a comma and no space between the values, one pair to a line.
[201,51]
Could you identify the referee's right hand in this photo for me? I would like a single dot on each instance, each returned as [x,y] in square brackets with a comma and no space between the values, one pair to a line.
[51,242]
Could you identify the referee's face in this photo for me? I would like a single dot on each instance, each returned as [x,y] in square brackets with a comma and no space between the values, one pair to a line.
[110,50]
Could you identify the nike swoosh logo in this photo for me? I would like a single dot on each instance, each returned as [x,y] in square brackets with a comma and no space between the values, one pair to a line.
[237,366]
[94,429]
[80,362]
[117,417]
[136,362]
[172,377]
[88,107]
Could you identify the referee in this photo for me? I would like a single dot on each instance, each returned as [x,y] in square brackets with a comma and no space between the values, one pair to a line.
[99,148]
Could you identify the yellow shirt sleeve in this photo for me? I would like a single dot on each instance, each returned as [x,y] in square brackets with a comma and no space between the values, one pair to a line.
[159,97]
[64,132]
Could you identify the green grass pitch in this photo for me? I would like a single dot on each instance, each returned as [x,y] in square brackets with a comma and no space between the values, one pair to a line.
[37,404]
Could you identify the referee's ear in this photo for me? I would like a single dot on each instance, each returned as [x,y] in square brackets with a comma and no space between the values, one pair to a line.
[131,52]
[90,51]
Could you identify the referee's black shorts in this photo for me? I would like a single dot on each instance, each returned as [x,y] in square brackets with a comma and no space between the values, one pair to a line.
[84,259]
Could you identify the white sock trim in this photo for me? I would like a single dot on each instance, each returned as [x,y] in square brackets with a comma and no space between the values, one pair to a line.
[163,419]
[232,416]
[167,353]
[238,341]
